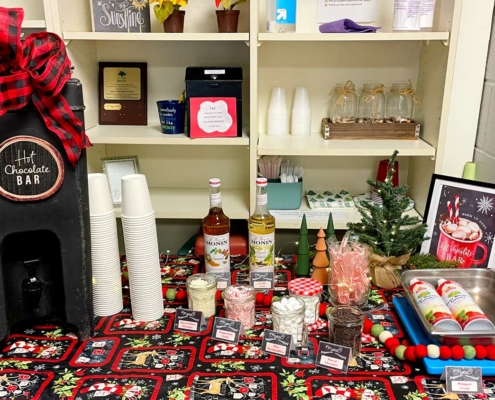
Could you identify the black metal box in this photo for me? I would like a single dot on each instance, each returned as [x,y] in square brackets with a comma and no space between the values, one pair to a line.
[215,82]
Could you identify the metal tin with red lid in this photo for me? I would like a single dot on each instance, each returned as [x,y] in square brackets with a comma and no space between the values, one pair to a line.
[309,291]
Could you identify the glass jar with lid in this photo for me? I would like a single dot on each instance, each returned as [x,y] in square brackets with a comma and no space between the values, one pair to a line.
[201,292]
[372,103]
[400,103]
[345,327]
[309,291]
[344,103]
[288,317]
[240,304]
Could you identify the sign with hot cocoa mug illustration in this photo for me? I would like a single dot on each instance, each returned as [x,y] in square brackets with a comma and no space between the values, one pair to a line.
[461,222]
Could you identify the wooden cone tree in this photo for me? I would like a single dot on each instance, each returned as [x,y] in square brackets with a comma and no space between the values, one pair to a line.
[320,262]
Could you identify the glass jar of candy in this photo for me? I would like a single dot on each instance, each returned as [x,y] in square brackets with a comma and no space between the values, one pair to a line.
[372,104]
[400,103]
[240,304]
[288,317]
[309,291]
[349,280]
[344,103]
[201,291]
[345,327]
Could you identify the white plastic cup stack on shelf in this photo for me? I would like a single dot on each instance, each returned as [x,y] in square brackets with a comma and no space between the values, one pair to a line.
[301,113]
[141,244]
[277,124]
[107,283]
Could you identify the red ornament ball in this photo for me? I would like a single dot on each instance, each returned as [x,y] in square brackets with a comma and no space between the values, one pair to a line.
[457,352]
[420,351]
[410,354]
[490,352]
[481,352]
[391,342]
[367,326]
[445,352]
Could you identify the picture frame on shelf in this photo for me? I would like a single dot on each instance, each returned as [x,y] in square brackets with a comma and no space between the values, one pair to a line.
[460,216]
[116,168]
[124,16]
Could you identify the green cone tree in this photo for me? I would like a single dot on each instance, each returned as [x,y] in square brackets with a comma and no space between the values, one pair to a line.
[385,227]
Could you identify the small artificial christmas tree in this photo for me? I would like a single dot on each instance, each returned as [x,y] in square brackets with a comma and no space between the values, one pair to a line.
[320,262]
[302,263]
[392,235]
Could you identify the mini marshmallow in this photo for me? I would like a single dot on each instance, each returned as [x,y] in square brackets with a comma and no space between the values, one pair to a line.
[382,337]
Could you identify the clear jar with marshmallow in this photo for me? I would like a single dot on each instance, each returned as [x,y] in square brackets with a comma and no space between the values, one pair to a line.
[309,291]
[288,317]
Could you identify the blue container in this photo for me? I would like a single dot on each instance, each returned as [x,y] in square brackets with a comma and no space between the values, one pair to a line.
[284,196]
[172,116]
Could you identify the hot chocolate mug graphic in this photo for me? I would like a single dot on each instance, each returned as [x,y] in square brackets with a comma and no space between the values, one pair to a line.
[461,242]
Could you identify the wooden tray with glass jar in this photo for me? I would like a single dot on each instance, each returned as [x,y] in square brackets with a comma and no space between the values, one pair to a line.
[369,131]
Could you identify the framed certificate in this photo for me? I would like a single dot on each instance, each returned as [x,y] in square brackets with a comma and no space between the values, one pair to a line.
[122,93]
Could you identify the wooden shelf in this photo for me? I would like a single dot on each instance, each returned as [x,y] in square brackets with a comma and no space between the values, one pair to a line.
[173,203]
[191,37]
[349,37]
[33,24]
[116,134]
[341,217]
[317,146]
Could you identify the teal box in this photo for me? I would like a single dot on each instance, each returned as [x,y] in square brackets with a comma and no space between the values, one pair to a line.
[284,196]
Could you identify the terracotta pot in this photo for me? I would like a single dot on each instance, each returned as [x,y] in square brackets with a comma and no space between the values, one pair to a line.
[228,20]
[175,22]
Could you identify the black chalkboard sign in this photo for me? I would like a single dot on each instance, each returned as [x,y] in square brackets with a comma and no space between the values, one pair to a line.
[463,379]
[121,15]
[261,279]
[277,343]
[31,169]
[333,356]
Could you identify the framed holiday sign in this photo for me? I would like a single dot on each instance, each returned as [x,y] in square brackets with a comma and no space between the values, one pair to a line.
[121,15]
[213,117]
[461,221]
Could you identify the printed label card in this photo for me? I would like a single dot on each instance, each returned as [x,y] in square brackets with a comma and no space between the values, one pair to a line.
[276,343]
[227,330]
[223,279]
[188,320]
[333,356]
[213,117]
[463,379]
[261,280]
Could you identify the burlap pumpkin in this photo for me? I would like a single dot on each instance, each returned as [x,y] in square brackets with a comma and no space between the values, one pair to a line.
[383,270]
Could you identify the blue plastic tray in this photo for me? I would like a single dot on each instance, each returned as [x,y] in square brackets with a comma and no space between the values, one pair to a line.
[417,335]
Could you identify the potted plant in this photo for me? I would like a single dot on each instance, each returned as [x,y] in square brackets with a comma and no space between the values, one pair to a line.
[392,234]
[169,14]
[228,18]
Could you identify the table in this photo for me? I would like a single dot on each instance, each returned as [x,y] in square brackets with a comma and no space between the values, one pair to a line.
[130,360]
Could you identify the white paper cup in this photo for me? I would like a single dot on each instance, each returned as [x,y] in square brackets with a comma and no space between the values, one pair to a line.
[277,100]
[136,199]
[100,199]
[301,99]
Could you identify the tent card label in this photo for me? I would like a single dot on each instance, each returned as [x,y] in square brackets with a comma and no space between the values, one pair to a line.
[333,356]
[223,278]
[30,169]
[463,379]
[276,343]
[188,320]
[261,280]
[227,330]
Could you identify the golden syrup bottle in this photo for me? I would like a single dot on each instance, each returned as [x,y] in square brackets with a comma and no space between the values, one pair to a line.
[216,229]
[261,232]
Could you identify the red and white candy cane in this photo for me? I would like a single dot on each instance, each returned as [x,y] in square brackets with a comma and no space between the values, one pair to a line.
[113,388]
[226,347]
[449,208]
[329,389]
[456,205]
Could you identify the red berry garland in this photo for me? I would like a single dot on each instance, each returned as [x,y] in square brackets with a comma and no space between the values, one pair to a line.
[415,353]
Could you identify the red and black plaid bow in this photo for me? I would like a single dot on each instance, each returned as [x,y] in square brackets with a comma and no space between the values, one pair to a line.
[37,71]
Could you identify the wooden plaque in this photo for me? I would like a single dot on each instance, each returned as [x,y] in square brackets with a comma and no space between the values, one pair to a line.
[31,169]
[122,93]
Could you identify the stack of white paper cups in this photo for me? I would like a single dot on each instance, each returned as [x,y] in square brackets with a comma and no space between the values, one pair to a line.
[301,113]
[141,244]
[107,283]
[277,118]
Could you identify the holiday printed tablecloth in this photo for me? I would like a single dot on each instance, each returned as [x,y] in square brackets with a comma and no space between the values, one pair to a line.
[129,360]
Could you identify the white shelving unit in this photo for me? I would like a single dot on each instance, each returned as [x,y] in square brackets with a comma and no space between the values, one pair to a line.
[446,66]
